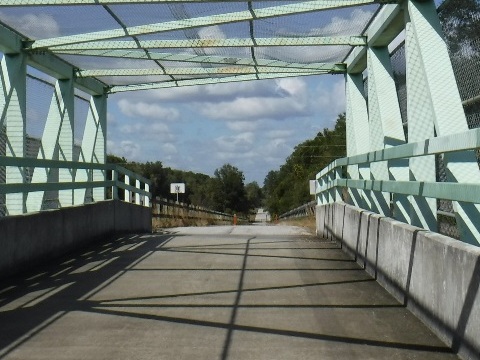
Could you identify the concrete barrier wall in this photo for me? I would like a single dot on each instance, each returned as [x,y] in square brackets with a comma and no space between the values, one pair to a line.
[33,238]
[436,277]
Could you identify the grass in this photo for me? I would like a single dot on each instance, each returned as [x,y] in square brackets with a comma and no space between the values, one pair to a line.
[306,222]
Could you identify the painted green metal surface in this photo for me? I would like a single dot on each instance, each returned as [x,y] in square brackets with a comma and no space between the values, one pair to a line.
[202,71]
[193,82]
[121,2]
[205,59]
[264,13]
[353,40]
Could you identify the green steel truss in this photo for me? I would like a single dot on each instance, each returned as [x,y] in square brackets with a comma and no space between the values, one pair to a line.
[204,21]
[150,42]
[209,43]
[201,42]
[120,2]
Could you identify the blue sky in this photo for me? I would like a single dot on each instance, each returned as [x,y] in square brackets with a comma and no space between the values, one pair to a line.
[252,125]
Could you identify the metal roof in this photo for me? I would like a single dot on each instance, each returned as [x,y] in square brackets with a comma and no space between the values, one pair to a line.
[147,44]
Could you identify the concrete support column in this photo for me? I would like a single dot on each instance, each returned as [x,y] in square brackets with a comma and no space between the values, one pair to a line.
[13,72]
[357,137]
[385,131]
[445,106]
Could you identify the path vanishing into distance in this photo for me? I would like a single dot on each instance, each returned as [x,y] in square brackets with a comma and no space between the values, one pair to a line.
[246,292]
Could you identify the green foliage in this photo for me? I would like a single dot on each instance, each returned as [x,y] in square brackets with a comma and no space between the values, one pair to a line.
[461,23]
[230,195]
[288,187]
[224,192]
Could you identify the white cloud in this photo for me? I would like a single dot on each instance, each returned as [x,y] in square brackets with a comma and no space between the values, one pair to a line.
[37,26]
[278,133]
[242,126]
[239,143]
[351,24]
[169,148]
[131,150]
[211,32]
[292,86]
[147,131]
[207,93]
[344,25]
[254,109]
[331,100]
[146,110]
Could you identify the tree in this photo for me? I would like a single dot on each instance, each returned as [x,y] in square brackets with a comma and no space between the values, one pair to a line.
[460,22]
[254,195]
[288,187]
[231,195]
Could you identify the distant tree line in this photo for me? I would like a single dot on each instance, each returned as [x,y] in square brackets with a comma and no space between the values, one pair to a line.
[226,191]
[288,188]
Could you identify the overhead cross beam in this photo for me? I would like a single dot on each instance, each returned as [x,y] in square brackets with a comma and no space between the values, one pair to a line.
[205,59]
[203,71]
[268,12]
[351,40]
[121,2]
[207,81]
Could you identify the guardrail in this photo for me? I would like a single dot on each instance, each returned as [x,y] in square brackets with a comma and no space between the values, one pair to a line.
[103,181]
[305,210]
[164,208]
[333,180]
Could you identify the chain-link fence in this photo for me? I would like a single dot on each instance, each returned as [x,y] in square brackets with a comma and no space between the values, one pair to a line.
[461,24]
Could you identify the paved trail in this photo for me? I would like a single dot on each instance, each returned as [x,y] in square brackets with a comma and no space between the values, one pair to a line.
[246,292]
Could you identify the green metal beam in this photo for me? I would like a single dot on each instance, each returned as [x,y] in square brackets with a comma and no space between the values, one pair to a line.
[59,69]
[383,29]
[198,71]
[353,40]
[469,193]
[191,58]
[268,12]
[121,2]
[11,42]
[193,82]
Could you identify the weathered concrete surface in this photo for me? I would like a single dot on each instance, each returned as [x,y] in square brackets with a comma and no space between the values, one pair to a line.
[436,277]
[246,292]
[37,237]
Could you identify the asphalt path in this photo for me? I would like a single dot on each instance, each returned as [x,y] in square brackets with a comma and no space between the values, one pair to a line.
[244,292]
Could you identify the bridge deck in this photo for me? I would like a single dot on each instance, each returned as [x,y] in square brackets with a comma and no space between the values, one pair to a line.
[253,292]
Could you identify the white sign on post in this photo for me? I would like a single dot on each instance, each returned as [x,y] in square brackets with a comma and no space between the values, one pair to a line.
[313,187]
[177,188]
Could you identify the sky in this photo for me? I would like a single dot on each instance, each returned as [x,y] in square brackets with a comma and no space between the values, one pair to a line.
[253,126]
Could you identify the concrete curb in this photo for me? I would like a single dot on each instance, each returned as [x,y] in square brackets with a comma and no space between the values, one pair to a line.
[434,276]
[34,238]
